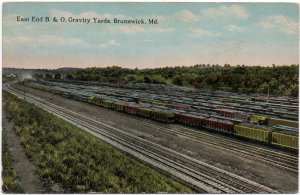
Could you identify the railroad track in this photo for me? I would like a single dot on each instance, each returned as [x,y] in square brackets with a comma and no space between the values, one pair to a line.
[277,159]
[274,158]
[205,97]
[198,174]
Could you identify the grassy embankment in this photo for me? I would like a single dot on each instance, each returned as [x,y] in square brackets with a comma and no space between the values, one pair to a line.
[79,161]
[11,183]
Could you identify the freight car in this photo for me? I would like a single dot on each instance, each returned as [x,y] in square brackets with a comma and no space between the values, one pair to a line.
[117,106]
[190,120]
[199,114]
[204,122]
[273,136]
[218,125]
[131,109]
[273,121]
[232,114]
[285,139]
[253,132]
[162,116]
[144,112]
[278,121]
[257,119]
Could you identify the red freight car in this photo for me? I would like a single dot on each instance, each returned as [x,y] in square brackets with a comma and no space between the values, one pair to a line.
[259,99]
[232,114]
[218,125]
[194,121]
[177,106]
[225,112]
[131,109]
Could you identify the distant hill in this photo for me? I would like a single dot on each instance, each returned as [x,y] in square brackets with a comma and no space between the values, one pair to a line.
[17,71]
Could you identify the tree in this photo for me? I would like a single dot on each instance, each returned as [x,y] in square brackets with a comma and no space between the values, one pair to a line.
[147,79]
[57,76]
[69,76]
[178,80]
[48,76]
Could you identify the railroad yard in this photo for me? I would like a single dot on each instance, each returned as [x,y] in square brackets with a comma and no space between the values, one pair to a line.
[212,141]
[150,97]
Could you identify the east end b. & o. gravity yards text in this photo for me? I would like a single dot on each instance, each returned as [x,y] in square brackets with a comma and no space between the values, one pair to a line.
[93,20]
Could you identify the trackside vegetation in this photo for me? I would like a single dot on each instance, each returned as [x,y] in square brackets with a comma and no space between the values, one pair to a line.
[78,161]
[11,183]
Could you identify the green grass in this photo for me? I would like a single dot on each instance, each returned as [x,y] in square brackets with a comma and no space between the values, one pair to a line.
[78,160]
[11,183]
[7,79]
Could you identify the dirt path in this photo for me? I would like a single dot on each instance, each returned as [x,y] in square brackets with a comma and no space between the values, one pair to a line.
[25,169]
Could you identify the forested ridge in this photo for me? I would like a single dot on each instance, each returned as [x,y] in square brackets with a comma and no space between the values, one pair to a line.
[281,80]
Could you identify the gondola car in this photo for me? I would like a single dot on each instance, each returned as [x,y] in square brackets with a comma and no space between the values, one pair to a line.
[286,139]
[162,116]
[144,112]
[131,109]
[107,103]
[117,106]
[187,119]
[96,100]
[218,125]
[253,132]
[278,121]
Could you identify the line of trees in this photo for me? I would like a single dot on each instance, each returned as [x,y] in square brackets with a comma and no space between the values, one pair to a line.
[281,80]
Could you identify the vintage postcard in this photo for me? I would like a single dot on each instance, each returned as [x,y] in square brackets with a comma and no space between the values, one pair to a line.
[150,97]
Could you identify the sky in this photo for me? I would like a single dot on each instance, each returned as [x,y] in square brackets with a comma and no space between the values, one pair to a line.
[186,34]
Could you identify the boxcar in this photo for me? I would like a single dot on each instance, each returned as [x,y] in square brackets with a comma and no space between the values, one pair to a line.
[285,140]
[254,133]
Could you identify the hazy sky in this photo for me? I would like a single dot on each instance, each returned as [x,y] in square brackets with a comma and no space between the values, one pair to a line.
[187,34]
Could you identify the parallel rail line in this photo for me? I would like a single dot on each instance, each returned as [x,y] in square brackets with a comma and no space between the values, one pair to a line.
[277,159]
[199,174]
[280,160]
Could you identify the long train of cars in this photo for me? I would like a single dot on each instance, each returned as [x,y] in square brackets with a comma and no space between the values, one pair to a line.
[266,129]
